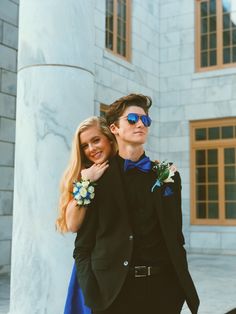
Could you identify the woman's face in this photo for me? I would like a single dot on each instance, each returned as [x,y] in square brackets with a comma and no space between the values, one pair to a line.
[95,145]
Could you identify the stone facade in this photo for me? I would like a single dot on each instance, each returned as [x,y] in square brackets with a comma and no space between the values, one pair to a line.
[8,63]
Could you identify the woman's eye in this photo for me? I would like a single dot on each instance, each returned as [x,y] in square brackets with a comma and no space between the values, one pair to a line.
[97,140]
[84,147]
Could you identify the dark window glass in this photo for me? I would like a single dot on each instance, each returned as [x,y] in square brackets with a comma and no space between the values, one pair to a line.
[213,7]
[227,132]
[204,28]
[213,211]
[212,157]
[204,62]
[213,57]
[213,24]
[200,134]
[213,40]
[234,54]
[204,9]
[226,38]
[213,192]
[230,173]
[234,37]
[214,133]
[229,155]
[201,175]
[201,192]
[201,210]
[204,42]
[230,192]
[226,55]
[200,157]
[230,210]
[226,21]
[213,174]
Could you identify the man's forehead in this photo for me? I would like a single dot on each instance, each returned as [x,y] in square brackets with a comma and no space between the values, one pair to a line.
[134,109]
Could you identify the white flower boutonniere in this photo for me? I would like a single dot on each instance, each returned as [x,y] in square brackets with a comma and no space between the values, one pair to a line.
[165,171]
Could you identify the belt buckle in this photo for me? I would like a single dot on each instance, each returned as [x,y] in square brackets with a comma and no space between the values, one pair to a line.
[142,271]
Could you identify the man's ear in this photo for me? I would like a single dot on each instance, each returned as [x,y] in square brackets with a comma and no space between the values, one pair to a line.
[114,129]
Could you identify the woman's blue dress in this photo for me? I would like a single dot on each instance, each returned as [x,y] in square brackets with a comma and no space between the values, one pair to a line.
[75,299]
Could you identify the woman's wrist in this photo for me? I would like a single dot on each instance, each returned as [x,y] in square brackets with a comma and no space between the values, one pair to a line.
[83,192]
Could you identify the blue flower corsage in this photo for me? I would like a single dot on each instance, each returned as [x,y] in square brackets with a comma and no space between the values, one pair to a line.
[164,171]
[83,192]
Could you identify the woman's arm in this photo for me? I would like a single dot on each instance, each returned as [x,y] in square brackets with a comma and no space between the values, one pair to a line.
[75,214]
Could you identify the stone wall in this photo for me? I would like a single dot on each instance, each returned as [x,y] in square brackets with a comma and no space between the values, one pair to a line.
[115,77]
[8,68]
[186,96]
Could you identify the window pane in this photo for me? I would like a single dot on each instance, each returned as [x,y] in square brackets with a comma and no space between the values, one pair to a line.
[230,192]
[201,175]
[213,133]
[213,40]
[201,210]
[234,37]
[200,157]
[230,173]
[212,174]
[212,24]
[121,12]
[212,156]
[226,38]
[200,134]
[226,55]
[234,54]
[204,62]
[204,42]
[230,210]
[201,192]
[229,155]
[121,46]
[213,57]
[109,40]
[213,211]
[204,9]
[213,192]
[226,21]
[227,132]
[213,7]
[204,26]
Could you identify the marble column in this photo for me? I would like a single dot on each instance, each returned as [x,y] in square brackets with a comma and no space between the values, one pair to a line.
[55,93]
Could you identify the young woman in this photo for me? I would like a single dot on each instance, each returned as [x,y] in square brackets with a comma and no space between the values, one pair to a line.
[92,146]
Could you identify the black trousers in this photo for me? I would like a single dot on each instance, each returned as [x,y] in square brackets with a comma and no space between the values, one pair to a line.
[157,294]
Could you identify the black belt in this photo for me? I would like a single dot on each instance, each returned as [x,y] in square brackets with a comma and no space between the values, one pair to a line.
[144,271]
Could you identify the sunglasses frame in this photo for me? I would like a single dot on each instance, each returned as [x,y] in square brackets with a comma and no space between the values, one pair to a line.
[146,120]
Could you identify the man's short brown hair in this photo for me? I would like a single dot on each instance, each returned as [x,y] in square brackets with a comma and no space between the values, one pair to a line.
[117,108]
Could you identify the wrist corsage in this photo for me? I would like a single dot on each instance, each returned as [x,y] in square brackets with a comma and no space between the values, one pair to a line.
[165,171]
[83,192]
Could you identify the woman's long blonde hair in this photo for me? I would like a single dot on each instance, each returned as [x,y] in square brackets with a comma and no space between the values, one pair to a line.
[76,164]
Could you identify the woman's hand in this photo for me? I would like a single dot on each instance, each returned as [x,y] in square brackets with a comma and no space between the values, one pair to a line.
[74,216]
[94,172]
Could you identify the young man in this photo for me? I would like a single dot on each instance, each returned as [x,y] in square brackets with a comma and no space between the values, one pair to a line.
[129,252]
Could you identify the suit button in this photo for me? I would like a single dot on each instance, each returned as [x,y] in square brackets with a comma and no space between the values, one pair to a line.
[131,237]
[126,263]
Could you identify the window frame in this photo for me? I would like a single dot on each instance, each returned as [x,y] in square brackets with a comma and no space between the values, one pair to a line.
[115,33]
[220,145]
[219,43]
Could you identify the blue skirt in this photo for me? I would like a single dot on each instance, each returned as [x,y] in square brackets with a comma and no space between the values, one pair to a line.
[75,299]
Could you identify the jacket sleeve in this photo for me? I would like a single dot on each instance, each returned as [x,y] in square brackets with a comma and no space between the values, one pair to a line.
[85,240]
[179,208]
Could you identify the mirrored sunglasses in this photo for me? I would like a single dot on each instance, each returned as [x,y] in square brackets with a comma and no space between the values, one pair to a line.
[133,118]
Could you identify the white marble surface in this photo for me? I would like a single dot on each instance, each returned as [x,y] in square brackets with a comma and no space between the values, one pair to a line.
[55,93]
[56,34]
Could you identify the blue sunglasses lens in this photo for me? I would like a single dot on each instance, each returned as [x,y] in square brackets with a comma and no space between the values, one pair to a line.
[134,117]
[146,120]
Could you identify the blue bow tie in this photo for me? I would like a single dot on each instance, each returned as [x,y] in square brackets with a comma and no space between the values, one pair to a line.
[144,164]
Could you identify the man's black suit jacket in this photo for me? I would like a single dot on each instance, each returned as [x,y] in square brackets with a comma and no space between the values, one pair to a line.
[103,246]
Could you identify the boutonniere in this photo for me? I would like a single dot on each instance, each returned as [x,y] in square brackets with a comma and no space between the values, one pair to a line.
[165,171]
